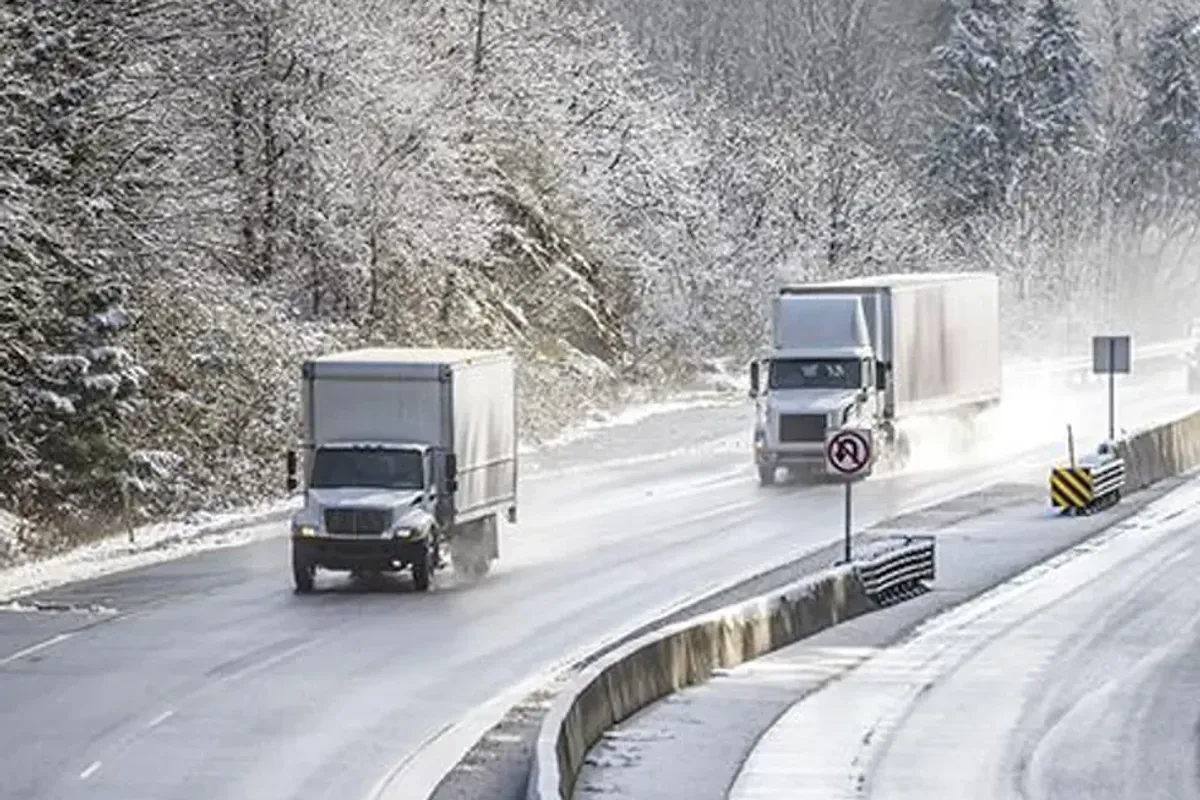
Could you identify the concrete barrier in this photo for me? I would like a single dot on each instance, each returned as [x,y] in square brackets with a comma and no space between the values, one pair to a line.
[1161,452]
[680,655]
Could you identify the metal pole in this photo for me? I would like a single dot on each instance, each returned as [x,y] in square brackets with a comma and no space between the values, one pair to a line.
[849,506]
[1071,445]
[1112,391]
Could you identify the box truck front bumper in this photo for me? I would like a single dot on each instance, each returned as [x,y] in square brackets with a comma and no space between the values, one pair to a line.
[358,554]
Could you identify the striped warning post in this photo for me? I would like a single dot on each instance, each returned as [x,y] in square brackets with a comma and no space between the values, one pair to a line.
[1089,487]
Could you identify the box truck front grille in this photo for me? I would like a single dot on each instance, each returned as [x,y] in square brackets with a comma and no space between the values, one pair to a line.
[357,521]
[801,427]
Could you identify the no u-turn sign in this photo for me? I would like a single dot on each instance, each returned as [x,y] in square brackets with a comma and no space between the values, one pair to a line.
[849,453]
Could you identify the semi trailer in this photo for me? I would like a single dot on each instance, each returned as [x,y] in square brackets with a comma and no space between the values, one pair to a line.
[408,456]
[872,353]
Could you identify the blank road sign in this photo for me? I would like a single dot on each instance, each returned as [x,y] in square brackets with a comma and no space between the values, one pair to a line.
[1111,354]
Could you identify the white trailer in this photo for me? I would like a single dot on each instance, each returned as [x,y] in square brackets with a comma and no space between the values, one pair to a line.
[406,453]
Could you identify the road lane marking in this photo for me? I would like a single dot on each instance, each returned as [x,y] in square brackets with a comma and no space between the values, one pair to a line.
[92,769]
[160,719]
[37,648]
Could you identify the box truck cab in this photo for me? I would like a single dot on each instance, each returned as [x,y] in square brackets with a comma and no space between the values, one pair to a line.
[406,454]
[869,353]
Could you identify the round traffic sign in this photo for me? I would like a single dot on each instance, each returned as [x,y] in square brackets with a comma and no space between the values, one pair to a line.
[848,452]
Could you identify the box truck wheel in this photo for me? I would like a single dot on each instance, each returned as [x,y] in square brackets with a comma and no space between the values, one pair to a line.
[422,568]
[304,571]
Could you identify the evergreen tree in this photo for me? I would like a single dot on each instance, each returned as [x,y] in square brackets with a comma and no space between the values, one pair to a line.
[77,175]
[1059,81]
[976,156]
[1168,157]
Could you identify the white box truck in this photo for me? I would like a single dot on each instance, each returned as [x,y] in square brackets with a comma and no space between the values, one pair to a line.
[407,454]
[872,352]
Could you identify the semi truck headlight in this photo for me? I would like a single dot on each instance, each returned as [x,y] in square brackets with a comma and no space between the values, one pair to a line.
[306,530]
[402,533]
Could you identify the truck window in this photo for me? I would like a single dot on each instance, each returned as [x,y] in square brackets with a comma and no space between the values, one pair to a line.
[344,468]
[816,374]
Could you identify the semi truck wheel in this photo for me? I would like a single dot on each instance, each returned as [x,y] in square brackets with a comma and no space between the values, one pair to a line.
[304,572]
[766,475]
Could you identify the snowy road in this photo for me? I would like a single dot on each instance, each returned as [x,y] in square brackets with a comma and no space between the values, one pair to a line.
[1078,679]
[207,678]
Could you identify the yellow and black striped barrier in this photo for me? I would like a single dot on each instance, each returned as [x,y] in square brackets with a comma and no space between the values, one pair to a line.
[1087,487]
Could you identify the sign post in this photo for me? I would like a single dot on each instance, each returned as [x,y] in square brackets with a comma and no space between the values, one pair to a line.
[849,455]
[1110,355]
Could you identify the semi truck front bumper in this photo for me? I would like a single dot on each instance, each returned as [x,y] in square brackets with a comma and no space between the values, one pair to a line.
[808,456]
[358,554]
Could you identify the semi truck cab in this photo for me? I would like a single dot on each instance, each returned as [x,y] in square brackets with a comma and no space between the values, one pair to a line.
[800,395]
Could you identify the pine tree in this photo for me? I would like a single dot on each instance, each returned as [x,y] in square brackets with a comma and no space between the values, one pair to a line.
[79,173]
[1059,79]
[1168,157]
[976,156]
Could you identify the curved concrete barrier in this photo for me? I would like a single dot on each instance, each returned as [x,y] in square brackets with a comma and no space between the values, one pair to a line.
[680,655]
[1160,452]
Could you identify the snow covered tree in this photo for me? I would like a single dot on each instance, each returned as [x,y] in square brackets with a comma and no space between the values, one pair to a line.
[1168,140]
[976,157]
[1059,83]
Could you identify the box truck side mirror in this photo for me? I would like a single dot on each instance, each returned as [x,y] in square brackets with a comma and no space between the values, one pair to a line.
[292,483]
[754,379]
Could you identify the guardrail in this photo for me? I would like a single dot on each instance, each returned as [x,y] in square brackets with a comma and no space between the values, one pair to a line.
[899,573]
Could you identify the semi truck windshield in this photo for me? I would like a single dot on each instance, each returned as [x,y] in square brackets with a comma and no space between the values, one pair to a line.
[343,468]
[804,373]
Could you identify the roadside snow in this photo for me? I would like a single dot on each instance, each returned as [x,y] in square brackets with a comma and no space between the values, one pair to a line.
[150,545]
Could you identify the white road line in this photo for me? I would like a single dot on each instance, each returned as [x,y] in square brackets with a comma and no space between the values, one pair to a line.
[37,648]
[160,719]
[92,769]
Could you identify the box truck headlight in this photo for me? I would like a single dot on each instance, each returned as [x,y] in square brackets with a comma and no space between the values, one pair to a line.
[402,533]
[306,530]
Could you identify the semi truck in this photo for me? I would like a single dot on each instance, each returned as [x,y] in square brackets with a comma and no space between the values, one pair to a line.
[408,456]
[872,353]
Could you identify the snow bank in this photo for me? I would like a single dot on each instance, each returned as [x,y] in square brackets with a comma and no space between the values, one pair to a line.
[150,544]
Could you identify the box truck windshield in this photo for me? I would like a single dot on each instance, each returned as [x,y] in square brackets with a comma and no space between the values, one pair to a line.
[375,468]
[807,373]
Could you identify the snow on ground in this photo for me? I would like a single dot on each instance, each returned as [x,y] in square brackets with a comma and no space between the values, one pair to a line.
[150,544]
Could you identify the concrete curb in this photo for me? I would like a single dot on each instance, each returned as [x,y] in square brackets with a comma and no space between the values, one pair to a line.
[664,661]
[1161,451]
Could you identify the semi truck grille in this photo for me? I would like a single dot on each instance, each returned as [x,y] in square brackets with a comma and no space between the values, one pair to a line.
[357,521]
[801,427]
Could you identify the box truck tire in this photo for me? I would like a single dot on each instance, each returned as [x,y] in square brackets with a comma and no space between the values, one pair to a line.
[474,547]
[422,569]
[304,571]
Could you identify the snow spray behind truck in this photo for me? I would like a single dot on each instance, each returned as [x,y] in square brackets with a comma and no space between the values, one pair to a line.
[873,352]
[406,454]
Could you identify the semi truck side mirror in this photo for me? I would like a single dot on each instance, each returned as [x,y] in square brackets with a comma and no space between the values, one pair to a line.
[292,483]
[881,375]
[754,379]
[451,473]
